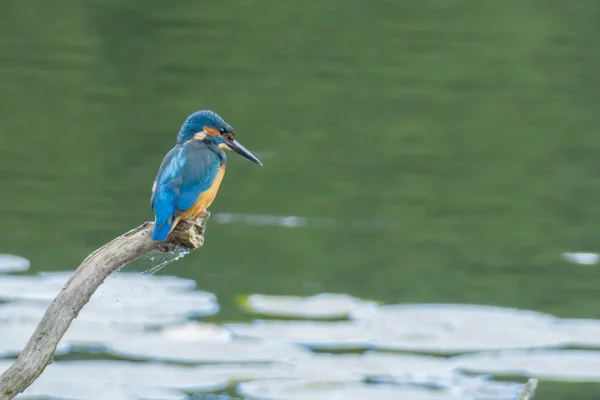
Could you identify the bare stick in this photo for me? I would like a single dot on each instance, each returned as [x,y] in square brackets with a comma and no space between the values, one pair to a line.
[529,389]
[80,287]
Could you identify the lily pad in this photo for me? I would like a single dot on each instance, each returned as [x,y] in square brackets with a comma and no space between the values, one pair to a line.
[402,369]
[156,347]
[196,331]
[581,258]
[376,364]
[15,337]
[168,376]
[454,329]
[558,365]
[453,316]
[314,334]
[235,373]
[477,387]
[132,299]
[324,305]
[12,263]
[96,390]
[98,335]
[27,287]
[298,389]
[50,283]
[581,332]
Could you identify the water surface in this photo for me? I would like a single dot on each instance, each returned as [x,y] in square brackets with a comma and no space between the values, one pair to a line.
[431,152]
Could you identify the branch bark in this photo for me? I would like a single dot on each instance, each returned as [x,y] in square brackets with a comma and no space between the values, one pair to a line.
[79,289]
[529,389]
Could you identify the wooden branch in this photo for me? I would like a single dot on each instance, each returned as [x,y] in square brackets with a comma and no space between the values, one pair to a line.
[80,287]
[529,390]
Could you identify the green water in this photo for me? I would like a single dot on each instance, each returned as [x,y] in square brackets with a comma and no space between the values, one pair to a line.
[454,144]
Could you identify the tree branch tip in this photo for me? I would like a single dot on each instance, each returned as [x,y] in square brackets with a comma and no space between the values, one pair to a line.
[79,288]
[189,233]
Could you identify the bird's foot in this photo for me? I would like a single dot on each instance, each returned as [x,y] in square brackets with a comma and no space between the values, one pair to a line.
[190,232]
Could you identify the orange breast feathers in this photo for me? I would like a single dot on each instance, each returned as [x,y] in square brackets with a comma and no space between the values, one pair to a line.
[206,198]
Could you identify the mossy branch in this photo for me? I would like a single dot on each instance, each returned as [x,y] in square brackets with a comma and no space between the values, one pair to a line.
[79,289]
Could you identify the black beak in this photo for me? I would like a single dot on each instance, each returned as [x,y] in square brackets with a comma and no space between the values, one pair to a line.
[242,151]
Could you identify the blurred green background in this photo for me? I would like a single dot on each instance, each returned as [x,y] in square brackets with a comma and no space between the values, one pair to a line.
[453,146]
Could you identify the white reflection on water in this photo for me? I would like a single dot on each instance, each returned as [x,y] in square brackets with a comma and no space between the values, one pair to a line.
[314,334]
[326,305]
[559,365]
[122,374]
[297,389]
[426,377]
[155,319]
[124,298]
[123,307]
[581,258]
[457,328]
[12,263]
[425,328]
[293,221]
[14,337]
[156,346]
[195,331]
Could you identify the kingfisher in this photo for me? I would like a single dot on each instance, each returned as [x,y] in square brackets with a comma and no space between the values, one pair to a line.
[190,174]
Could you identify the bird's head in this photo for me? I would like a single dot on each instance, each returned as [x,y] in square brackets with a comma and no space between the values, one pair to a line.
[209,127]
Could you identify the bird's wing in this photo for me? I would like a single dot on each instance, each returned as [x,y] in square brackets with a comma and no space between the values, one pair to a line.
[165,173]
[186,172]
[199,172]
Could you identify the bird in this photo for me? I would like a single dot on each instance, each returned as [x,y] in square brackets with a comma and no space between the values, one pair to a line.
[190,174]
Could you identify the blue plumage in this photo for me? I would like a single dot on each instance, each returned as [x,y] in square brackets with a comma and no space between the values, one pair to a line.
[191,169]
[197,121]
[188,170]
[162,228]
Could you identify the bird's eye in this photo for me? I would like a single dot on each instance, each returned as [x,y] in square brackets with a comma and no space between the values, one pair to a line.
[222,130]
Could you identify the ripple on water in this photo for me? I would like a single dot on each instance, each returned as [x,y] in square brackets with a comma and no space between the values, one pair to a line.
[12,263]
[326,305]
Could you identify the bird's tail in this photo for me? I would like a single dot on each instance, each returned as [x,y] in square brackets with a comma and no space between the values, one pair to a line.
[162,228]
